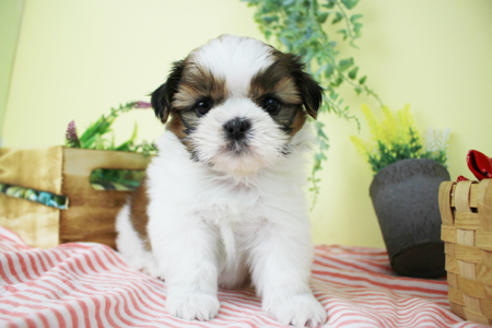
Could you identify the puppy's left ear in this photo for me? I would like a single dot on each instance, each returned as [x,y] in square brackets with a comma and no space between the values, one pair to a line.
[162,97]
[311,93]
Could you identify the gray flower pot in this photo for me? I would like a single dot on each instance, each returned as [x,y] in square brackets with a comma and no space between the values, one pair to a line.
[405,198]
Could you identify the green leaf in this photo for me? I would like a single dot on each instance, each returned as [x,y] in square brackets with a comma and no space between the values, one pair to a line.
[328,70]
[349,4]
[352,74]
[321,18]
[344,33]
[363,79]
[344,64]
[338,18]
[354,18]
[329,4]
[337,82]
[270,19]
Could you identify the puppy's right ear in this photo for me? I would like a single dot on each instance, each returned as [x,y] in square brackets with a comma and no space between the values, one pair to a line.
[162,97]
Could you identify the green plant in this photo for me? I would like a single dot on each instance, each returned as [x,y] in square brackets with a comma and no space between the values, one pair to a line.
[301,27]
[96,137]
[395,138]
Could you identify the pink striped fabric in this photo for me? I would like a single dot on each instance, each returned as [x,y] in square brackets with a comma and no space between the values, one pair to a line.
[89,285]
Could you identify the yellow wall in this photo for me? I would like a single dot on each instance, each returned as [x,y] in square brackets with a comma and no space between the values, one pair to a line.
[10,18]
[75,59]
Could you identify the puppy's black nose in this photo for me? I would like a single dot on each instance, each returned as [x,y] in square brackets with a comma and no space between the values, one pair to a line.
[236,128]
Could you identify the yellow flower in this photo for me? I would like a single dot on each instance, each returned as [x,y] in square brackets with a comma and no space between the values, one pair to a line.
[375,128]
[390,127]
[360,145]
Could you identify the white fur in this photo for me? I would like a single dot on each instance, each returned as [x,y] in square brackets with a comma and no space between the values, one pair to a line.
[215,221]
[266,140]
[235,59]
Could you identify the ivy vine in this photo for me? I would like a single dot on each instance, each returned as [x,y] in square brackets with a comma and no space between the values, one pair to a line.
[309,28]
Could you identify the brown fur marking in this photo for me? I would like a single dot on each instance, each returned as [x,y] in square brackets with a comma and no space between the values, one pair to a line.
[298,122]
[176,126]
[139,202]
[275,80]
[196,83]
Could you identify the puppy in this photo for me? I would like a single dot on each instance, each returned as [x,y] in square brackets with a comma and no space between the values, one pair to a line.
[223,203]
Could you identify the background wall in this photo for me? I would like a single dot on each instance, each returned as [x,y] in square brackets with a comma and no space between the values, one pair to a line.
[10,19]
[76,59]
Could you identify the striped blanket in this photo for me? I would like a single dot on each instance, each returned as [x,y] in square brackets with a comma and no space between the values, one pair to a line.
[89,285]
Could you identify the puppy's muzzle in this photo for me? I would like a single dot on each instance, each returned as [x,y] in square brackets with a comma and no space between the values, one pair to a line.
[236,129]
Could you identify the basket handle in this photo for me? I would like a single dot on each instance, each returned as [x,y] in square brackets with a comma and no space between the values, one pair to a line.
[80,163]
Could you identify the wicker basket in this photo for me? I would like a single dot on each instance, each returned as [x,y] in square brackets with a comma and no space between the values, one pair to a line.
[466,211]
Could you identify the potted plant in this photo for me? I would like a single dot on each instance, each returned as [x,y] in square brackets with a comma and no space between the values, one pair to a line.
[73,192]
[404,190]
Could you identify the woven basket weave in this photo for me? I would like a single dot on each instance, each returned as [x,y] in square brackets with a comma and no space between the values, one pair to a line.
[466,212]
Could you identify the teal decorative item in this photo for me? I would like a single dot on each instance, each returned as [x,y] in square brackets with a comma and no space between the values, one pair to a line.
[42,197]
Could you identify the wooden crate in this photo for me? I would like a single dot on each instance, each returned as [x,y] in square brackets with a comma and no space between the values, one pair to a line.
[466,212]
[91,213]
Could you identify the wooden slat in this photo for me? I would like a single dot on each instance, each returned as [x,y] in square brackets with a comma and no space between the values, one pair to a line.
[84,161]
[467,220]
[92,213]
[450,249]
[465,237]
[484,274]
[462,196]
[455,296]
[473,195]
[458,309]
[471,287]
[488,291]
[485,204]
[468,254]
[472,304]
[451,264]
[452,280]
[474,316]
[484,196]
[486,306]
[39,169]
[445,202]
[467,270]
[484,240]
[448,234]
[487,258]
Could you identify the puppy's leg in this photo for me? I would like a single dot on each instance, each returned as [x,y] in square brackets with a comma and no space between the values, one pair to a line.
[186,252]
[281,262]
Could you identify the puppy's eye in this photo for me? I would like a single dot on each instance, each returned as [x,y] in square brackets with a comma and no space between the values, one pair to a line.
[271,105]
[202,106]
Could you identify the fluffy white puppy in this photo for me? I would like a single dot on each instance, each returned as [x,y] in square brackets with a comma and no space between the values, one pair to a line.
[222,203]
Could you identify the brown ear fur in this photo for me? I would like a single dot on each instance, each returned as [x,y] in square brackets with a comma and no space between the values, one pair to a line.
[311,92]
[162,97]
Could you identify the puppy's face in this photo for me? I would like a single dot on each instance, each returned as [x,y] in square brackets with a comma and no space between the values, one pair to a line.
[236,103]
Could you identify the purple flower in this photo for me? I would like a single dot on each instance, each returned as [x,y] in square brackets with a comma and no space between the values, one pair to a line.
[141,104]
[71,135]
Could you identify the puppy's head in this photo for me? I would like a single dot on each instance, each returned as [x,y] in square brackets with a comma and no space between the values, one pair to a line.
[236,103]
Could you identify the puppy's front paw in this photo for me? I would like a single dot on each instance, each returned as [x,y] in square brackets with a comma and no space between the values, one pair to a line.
[191,306]
[300,311]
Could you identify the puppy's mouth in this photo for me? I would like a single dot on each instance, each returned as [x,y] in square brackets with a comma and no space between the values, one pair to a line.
[237,147]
